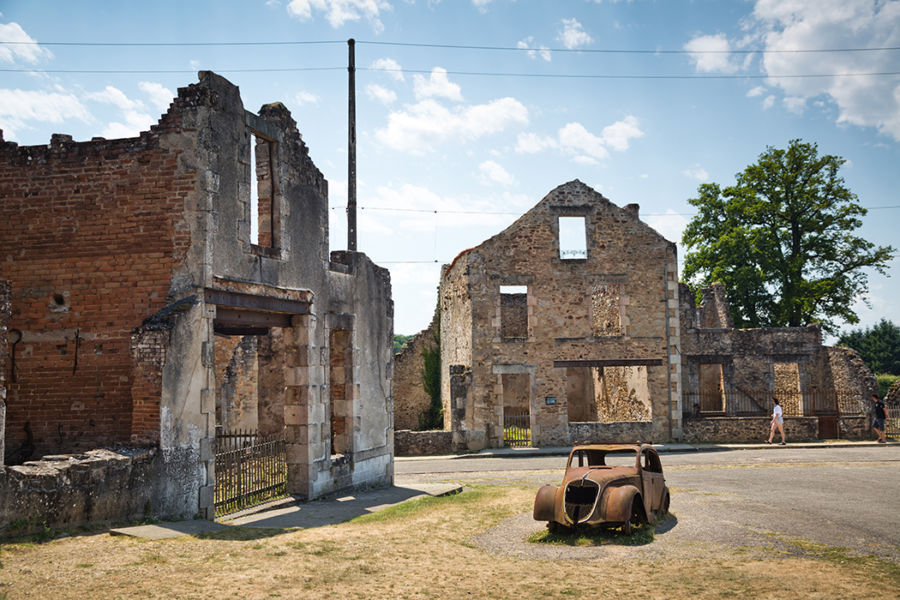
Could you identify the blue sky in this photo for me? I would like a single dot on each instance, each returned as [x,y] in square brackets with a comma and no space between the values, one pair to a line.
[449,156]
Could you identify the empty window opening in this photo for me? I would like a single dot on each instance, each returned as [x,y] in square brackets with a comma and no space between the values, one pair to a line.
[263,198]
[606,310]
[608,394]
[513,311]
[712,388]
[572,238]
[340,366]
[787,387]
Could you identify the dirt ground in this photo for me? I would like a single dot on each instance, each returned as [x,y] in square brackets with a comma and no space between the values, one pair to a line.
[472,545]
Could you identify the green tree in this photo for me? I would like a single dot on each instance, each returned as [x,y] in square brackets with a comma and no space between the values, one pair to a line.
[433,416]
[878,346]
[400,341]
[781,241]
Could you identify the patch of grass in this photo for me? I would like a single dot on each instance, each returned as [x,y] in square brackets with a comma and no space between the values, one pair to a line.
[838,555]
[84,565]
[150,559]
[594,536]
[324,547]
[411,508]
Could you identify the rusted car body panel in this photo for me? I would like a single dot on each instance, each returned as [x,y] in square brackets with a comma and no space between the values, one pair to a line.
[594,493]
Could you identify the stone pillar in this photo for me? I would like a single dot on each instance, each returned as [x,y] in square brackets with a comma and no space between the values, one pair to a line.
[208,414]
[271,356]
[299,431]
[460,389]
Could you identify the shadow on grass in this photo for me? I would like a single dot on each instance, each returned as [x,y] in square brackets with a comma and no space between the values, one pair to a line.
[240,534]
[601,536]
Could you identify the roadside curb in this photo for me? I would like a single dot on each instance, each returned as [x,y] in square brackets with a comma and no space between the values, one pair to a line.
[661,448]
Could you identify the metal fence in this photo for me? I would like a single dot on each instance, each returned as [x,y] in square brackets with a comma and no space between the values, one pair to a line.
[892,423]
[516,428]
[249,470]
[741,403]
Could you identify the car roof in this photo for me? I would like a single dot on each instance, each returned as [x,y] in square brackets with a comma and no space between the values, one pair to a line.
[609,447]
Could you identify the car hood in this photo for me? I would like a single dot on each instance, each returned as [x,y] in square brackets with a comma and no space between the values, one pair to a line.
[599,475]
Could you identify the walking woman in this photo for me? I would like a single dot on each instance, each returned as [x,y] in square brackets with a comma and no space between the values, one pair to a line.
[777,422]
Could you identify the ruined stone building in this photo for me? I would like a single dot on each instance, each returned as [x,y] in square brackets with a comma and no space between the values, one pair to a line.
[568,316]
[571,323]
[162,286]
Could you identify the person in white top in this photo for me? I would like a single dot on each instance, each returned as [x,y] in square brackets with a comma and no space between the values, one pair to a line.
[777,422]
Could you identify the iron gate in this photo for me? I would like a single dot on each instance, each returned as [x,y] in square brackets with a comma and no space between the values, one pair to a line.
[892,423]
[516,428]
[249,470]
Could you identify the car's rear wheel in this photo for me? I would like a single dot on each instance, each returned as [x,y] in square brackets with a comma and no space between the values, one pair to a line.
[664,509]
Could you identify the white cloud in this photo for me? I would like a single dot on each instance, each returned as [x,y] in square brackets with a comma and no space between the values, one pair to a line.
[573,34]
[135,121]
[492,172]
[306,98]
[757,91]
[17,107]
[419,127]
[27,50]
[697,172]
[381,94]
[481,5]
[534,53]
[116,97]
[768,102]
[618,135]
[575,139]
[160,96]
[338,12]
[711,53]
[796,24]
[390,66]
[437,85]
[583,146]
[532,143]
[134,124]
[670,225]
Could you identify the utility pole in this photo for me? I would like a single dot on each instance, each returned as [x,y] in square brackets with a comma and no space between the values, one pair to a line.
[351,150]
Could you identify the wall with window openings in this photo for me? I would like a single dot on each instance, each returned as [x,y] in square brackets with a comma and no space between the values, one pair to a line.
[578,294]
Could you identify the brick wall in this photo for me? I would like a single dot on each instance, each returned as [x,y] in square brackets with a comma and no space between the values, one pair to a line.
[4,361]
[90,234]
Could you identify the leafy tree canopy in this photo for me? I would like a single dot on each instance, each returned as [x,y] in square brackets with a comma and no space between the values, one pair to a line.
[781,241]
[879,346]
[400,341]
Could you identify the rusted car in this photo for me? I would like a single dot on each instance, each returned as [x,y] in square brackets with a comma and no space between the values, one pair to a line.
[606,485]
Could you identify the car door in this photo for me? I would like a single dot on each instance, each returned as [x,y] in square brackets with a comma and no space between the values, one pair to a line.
[652,479]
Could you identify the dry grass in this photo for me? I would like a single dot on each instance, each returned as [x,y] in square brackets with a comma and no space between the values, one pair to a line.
[422,549]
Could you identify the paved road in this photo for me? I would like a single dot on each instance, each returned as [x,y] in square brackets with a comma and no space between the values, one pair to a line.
[845,497]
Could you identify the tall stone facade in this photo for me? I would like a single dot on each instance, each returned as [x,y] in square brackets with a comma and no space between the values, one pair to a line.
[571,323]
[138,285]
[568,318]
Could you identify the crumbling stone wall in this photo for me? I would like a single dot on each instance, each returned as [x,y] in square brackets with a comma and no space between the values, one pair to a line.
[749,430]
[422,443]
[753,365]
[616,307]
[126,257]
[411,400]
[98,486]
